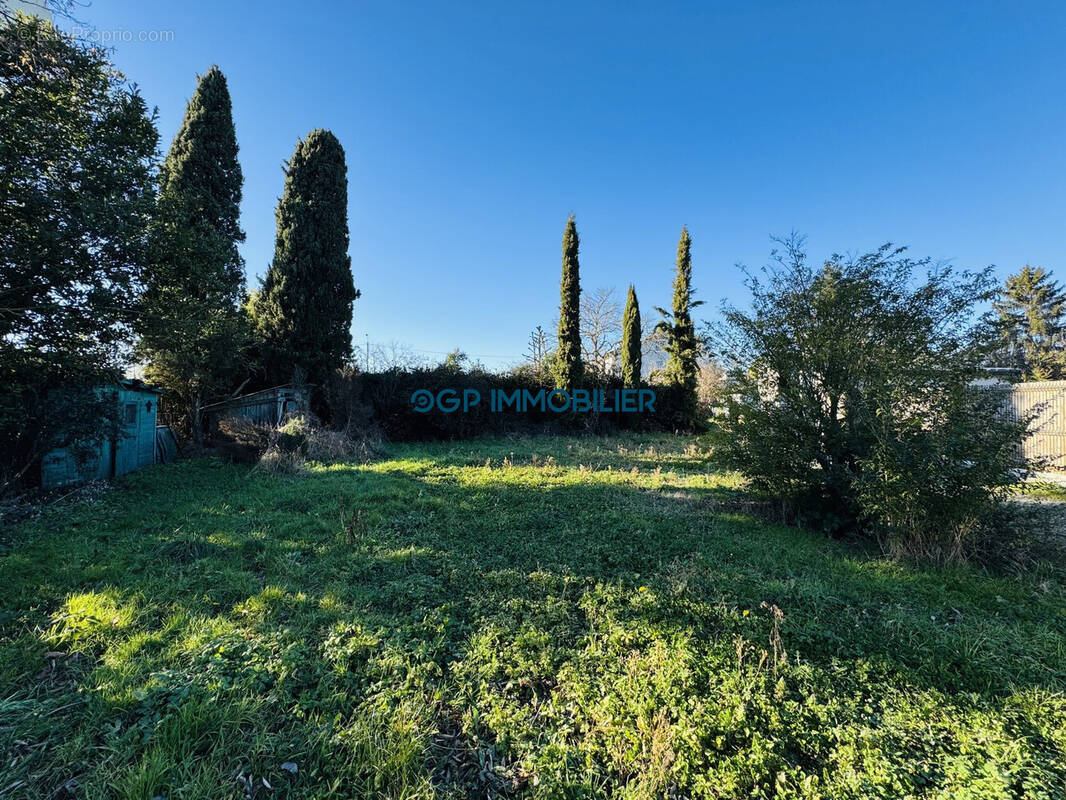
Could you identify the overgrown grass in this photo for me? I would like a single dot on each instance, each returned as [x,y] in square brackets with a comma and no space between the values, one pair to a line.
[1042,490]
[530,617]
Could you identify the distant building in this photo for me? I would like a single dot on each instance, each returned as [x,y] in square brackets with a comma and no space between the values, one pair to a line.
[133,448]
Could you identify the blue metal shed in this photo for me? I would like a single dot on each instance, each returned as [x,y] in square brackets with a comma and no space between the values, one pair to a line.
[134,447]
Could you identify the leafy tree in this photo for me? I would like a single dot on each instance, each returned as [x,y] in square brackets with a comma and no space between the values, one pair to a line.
[304,311]
[77,154]
[682,345]
[851,398]
[631,341]
[1030,309]
[193,327]
[568,367]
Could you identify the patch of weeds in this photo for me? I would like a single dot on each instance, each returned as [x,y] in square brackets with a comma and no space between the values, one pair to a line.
[91,621]
[186,551]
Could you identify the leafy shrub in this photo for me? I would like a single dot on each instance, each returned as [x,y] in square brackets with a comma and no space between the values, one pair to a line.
[294,432]
[934,489]
[852,397]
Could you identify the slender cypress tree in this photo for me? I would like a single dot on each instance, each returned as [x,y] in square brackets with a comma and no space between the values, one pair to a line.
[568,367]
[682,346]
[631,356]
[201,167]
[192,328]
[304,311]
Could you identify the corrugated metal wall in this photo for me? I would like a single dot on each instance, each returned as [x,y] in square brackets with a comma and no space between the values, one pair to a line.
[1048,398]
[267,407]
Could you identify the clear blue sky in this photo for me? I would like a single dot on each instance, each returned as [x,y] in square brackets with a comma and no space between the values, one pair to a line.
[473,130]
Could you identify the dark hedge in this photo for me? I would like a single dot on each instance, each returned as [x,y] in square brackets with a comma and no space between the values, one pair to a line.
[385,399]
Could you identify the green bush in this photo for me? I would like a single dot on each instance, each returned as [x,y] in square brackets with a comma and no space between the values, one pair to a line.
[852,397]
[935,489]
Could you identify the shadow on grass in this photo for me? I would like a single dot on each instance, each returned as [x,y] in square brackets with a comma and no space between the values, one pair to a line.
[244,532]
[456,586]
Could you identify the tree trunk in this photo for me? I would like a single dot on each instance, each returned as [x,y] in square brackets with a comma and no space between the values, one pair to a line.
[196,429]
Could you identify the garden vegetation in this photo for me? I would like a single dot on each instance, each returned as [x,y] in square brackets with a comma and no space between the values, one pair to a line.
[519,617]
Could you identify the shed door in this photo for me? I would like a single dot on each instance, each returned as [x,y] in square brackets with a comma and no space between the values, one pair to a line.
[146,431]
[126,447]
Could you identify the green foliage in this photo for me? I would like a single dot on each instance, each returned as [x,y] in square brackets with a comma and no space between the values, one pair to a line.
[1030,309]
[631,341]
[682,345]
[851,398]
[567,367]
[303,313]
[523,617]
[932,484]
[77,150]
[202,168]
[455,361]
[193,329]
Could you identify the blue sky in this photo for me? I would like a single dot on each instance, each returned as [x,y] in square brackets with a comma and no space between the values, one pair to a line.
[473,130]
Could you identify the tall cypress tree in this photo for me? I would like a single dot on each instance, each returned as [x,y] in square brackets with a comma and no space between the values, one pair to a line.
[568,367]
[304,311]
[631,355]
[682,346]
[192,328]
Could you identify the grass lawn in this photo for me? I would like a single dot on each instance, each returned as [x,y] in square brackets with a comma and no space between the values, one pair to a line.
[541,617]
